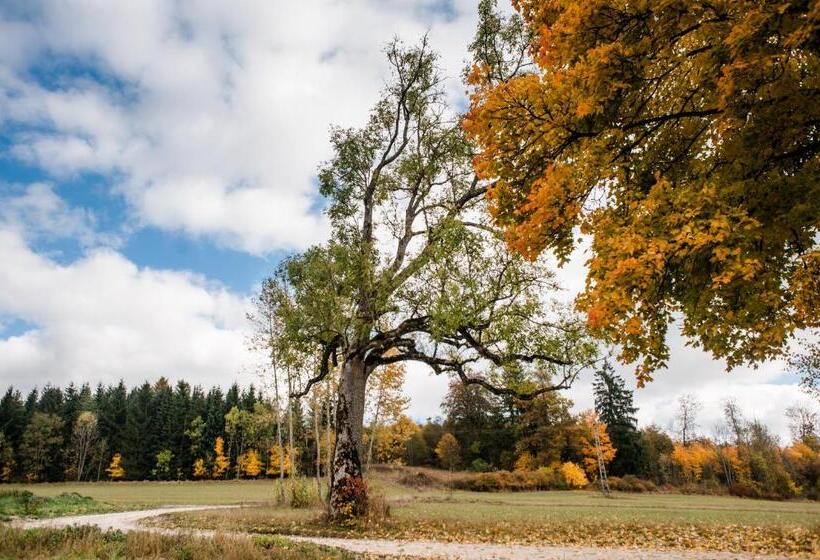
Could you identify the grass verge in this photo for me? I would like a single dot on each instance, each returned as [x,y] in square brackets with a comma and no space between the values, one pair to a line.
[22,503]
[92,543]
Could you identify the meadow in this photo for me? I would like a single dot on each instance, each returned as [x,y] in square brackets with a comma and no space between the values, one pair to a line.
[433,511]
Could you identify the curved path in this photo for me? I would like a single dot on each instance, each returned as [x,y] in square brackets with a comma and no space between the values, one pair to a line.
[131,521]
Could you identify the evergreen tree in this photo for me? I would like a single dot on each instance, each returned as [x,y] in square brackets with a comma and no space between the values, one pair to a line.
[137,457]
[111,404]
[12,423]
[615,408]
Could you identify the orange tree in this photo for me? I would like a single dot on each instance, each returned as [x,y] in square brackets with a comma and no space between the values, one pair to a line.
[682,137]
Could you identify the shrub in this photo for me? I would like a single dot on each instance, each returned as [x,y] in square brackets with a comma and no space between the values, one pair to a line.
[419,480]
[480,465]
[574,475]
[631,483]
[302,494]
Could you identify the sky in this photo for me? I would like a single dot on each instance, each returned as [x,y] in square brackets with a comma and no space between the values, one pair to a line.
[157,159]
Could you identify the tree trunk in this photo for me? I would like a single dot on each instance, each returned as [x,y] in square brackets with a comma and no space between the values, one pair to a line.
[348,494]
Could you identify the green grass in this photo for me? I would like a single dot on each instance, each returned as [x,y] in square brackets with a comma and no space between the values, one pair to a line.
[128,495]
[91,543]
[22,503]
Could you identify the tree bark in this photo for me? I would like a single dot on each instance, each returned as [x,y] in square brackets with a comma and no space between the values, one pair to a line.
[348,494]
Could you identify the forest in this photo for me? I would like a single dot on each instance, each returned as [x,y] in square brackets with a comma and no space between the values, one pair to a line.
[178,432]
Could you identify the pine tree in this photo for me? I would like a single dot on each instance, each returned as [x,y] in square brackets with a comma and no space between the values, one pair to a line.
[615,408]
[139,460]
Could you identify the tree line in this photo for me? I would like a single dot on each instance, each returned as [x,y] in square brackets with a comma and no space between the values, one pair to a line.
[482,432]
[164,432]
[152,431]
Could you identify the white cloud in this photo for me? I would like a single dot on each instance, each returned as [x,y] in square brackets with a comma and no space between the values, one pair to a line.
[219,112]
[102,318]
[37,212]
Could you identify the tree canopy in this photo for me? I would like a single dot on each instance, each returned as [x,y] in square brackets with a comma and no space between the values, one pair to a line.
[682,137]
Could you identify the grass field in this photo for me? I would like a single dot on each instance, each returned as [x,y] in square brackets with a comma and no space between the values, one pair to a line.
[657,520]
[129,495]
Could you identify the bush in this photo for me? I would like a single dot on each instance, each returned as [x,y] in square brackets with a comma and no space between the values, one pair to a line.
[377,508]
[631,483]
[480,465]
[545,478]
[574,475]
[302,494]
[420,480]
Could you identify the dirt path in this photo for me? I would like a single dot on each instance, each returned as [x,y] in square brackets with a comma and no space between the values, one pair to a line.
[131,521]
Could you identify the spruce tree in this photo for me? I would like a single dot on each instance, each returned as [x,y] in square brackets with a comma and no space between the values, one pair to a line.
[614,405]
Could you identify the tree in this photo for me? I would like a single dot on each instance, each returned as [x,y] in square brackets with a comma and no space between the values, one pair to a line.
[803,422]
[6,459]
[392,439]
[221,462]
[655,445]
[85,435]
[686,422]
[115,470]
[162,468]
[590,447]
[385,399]
[416,451]
[41,443]
[199,469]
[413,271]
[614,406]
[682,139]
[249,464]
[806,363]
[448,451]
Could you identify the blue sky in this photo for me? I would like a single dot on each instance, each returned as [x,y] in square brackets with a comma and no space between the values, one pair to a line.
[157,159]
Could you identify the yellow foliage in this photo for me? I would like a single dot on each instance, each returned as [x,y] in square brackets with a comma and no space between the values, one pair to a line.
[221,462]
[248,464]
[574,475]
[199,469]
[590,425]
[277,456]
[525,462]
[692,458]
[448,451]
[115,470]
[391,440]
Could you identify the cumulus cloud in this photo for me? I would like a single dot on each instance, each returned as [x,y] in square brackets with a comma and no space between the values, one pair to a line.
[101,318]
[212,117]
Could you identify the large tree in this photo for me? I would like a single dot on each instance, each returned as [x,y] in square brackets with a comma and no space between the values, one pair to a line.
[414,271]
[683,138]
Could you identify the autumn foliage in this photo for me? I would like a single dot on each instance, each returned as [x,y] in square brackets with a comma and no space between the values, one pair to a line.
[115,470]
[682,138]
